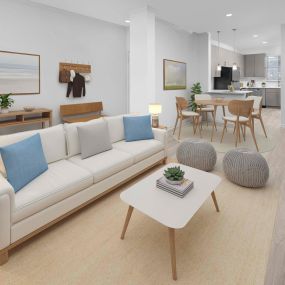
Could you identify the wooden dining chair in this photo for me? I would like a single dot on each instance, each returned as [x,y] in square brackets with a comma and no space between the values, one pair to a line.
[257,109]
[184,113]
[241,111]
[205,109]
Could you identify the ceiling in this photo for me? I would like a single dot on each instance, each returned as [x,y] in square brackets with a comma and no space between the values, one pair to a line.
[260,17]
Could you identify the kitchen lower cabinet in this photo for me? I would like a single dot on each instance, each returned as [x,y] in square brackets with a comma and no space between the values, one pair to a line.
[273,97]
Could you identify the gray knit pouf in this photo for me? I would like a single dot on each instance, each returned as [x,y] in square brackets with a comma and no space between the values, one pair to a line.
[246,168]
[197,153]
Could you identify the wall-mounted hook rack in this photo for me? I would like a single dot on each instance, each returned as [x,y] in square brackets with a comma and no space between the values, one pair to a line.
[65,66]
[81,68]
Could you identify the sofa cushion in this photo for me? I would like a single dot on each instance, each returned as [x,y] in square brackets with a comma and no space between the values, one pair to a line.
[72,139]
[104,164]
[139,149]
[24,161]
[137,128]
[53,142]
[116,128]
[60,181]
[94,139]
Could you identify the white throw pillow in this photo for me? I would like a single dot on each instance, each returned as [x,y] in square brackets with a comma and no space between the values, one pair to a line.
[116,128]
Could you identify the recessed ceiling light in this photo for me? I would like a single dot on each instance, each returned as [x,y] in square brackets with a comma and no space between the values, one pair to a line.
[264,42]
[127,21]
[255,36]
[229,15]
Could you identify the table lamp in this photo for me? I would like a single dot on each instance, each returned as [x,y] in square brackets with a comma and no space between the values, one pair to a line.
[154,110]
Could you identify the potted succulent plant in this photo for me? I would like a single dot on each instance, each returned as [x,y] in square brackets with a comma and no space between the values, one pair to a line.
[174,175]
[6,102]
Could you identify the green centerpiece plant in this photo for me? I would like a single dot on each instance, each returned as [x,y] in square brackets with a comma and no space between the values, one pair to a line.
[195,89]
[6,102]
[174,175]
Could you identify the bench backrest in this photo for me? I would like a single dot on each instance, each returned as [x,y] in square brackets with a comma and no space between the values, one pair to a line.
[67,111]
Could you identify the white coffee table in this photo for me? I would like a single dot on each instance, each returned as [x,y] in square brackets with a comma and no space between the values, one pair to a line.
[167,209]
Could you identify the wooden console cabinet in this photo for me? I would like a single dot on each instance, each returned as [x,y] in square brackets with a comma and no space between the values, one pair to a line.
[18,118]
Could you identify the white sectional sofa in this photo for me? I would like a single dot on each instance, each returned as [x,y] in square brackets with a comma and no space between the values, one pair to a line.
[70,182]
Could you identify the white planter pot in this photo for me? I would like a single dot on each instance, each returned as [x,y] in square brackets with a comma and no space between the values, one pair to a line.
[174,182]
[4,111]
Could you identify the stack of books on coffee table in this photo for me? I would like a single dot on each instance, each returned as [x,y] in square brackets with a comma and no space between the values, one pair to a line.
[179,190]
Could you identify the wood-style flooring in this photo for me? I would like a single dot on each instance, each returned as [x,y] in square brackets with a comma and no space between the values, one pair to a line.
[275,274]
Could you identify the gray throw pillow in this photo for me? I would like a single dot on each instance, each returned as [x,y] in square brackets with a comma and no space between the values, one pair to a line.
[94,138]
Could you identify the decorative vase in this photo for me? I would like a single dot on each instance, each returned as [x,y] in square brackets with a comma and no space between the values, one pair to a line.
[4,110]
[177,182]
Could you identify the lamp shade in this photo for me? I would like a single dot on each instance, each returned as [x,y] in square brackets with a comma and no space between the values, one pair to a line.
[154,109]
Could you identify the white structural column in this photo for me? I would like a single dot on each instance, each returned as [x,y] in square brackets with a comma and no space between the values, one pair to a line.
[204,60]
[283,75]
[142,60]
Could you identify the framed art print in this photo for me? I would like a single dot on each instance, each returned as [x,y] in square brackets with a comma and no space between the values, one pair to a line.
[19,73]
[174,75]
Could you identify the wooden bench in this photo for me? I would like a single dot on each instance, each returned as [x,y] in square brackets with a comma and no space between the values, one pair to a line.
[81,112]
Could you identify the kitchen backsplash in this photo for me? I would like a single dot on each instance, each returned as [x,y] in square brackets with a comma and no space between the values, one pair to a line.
[258,82]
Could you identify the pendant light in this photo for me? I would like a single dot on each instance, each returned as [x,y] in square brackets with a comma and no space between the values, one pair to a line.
[235,67]
[219,67]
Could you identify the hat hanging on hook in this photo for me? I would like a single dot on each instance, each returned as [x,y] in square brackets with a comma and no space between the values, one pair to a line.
[72,74]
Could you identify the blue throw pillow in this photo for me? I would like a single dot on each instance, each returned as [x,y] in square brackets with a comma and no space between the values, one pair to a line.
[24,161]
[137,128]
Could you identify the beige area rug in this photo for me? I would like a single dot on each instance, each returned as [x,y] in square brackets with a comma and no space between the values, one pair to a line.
[264,144]
[230,247]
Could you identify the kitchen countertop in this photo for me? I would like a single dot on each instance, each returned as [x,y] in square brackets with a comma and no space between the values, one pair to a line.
[227,92]
[267,87]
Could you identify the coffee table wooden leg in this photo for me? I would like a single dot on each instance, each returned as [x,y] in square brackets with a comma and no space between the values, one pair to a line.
[171,232]
[215,201]
[128,217]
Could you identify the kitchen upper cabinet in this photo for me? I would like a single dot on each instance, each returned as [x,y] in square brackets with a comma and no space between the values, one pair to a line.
[259,64]
[249,65]
[254,65]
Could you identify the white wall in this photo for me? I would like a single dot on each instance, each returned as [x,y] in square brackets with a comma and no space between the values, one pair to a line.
[283,75]
[59,36]
[176,44]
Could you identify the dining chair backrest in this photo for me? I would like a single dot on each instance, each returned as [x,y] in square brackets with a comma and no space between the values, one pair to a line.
[257,105]
[241,107]
[181,103]
[203,97]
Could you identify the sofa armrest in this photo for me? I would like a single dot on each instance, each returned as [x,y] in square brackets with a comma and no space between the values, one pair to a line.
[7,204]
[7,189]
[160,135]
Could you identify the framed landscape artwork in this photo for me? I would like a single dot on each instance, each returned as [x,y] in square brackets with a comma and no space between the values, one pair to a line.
[174,75]
[19,73]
